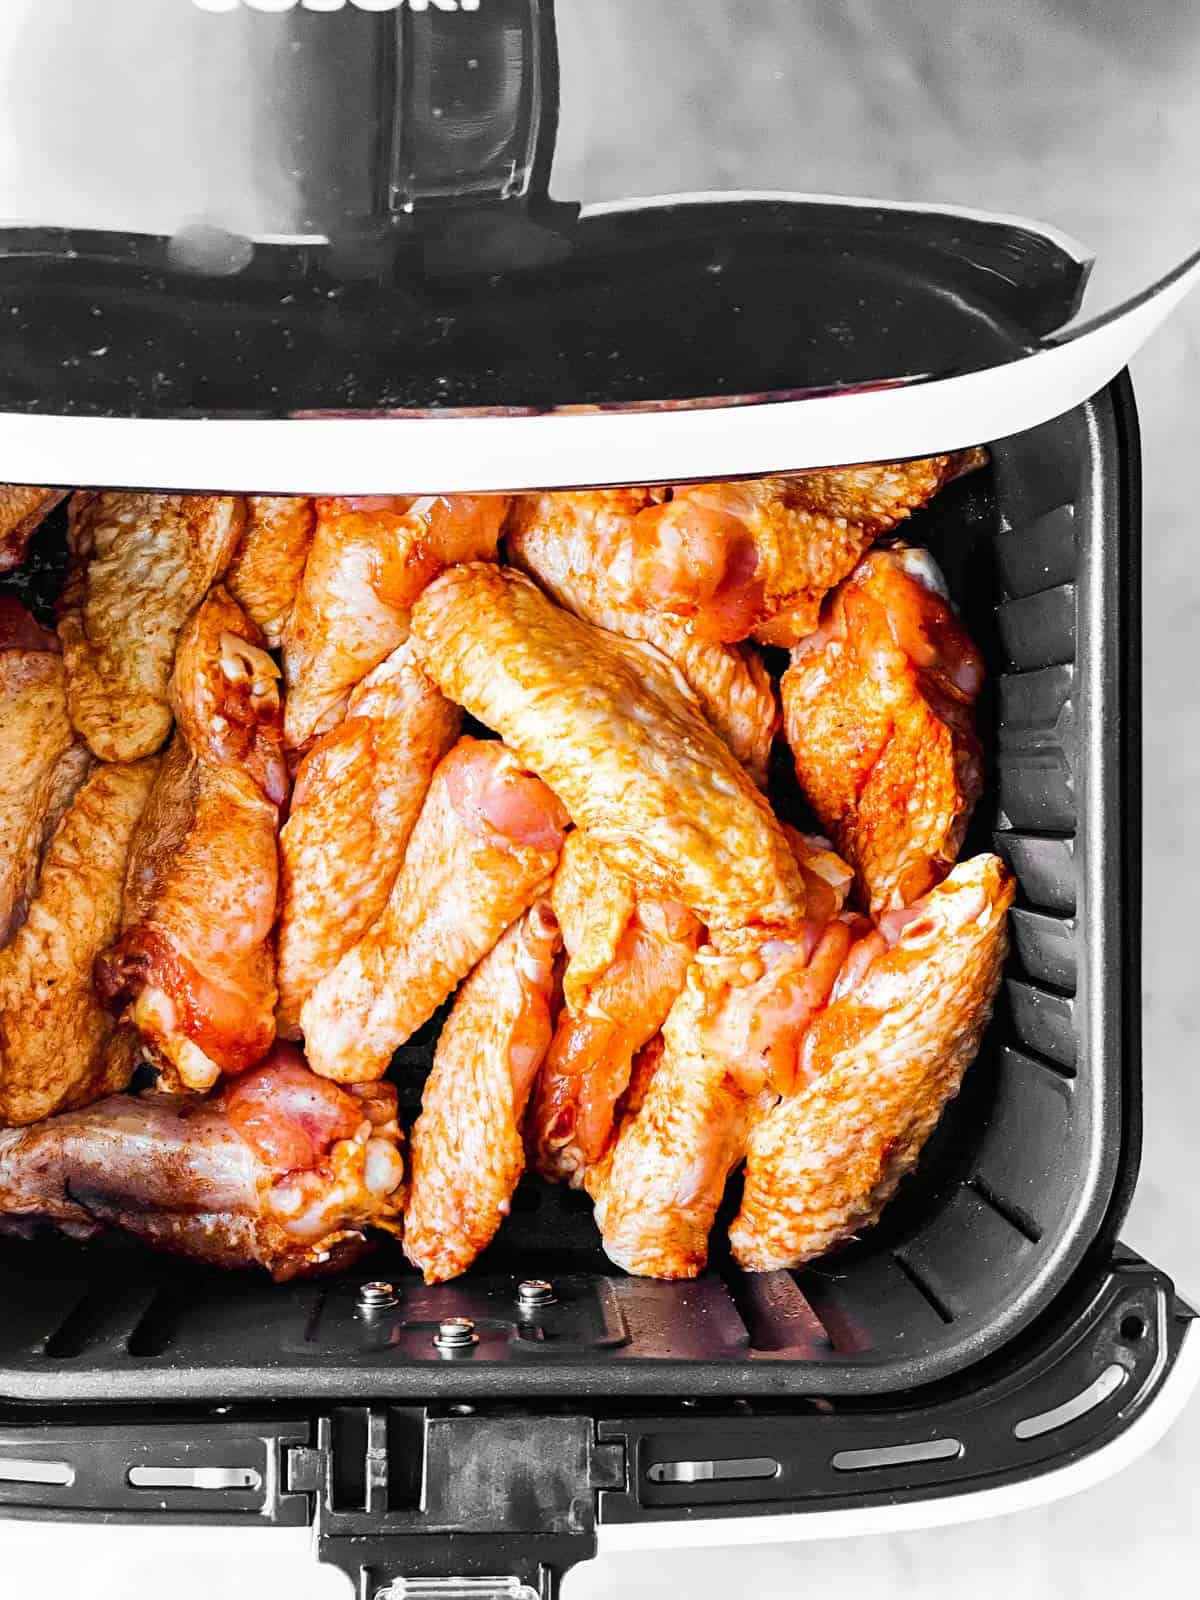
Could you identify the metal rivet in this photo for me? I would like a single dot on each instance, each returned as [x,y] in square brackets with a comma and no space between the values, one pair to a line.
[534,1293]
[455,1333]
[376,1295]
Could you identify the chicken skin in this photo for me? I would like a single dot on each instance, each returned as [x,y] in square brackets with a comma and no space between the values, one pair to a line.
[370,559]
[757,556]
[22,512]
[614,731]
[194,966]
[878,1067]
[140,565]
[560,540]
[730,1044]
[483,849]
[281,1169]
[264,575]
[42,763]
[628,959]
[878,709]
[467,1154]
[58,1045]
[357,797]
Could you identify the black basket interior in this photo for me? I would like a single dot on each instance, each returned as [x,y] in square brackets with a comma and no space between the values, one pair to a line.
[1025,1177]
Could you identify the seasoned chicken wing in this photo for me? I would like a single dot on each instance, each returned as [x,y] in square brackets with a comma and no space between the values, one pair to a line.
[614,732]
[42,763]
[628,959]
[281,1169]
[466,1145]
[878,1067]
[878,708]
[757,555]
[357,796]
[58,1045]
[140,565]
[194,965]
[22,512]
[483,849]
[264,575]
[561,540]
[730,1043]
[370,559]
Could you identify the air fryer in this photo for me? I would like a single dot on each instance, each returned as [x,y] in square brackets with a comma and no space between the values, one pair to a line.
[389,249]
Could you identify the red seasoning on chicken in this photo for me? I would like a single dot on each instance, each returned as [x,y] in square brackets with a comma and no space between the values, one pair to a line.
[629,956]
[369,561]
[878,709]
[264,575]
[562,540]
[59,1046]
[358,793]
[467,1155]
[756,556]
[730,1044]
[140,565]
[281,1169]
[194,965]
[42,763]
[612,729]
[22,511]
[878,1067]
[483,849]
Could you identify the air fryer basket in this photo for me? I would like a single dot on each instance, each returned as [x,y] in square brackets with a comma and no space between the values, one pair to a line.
[1027,1176]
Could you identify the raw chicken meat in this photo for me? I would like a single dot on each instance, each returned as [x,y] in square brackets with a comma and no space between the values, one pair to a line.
[42,763]
[628,959]
[281,1170]
[756,556]
[878,707]
[194,964]
[22,512]
[370,559]
[58,1045]
[140,565]
[467,1154]
[878,1067]
[613,730]
[730,1045]
[561,540]
[482,851]
[357,797]
[264,575]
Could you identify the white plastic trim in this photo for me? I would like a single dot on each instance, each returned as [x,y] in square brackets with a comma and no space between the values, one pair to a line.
[423,455]
[1142,1434]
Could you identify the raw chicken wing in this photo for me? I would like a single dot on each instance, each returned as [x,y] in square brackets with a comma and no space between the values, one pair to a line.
[42,763]
[560,540]
[757,555]
[58,1045]
[628,959]
[467,1153]
[140,565]
[612,729]
[369,561]
[194,962]
[878,1067]
[264,575]
[22,512]
[281,1170]
[878,712]
[730,1044]
[357,796]
[483,849]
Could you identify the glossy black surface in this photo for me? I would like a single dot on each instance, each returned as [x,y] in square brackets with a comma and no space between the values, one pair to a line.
[243,213]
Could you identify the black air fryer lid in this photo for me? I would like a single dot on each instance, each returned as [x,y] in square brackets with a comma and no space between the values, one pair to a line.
[264,208]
